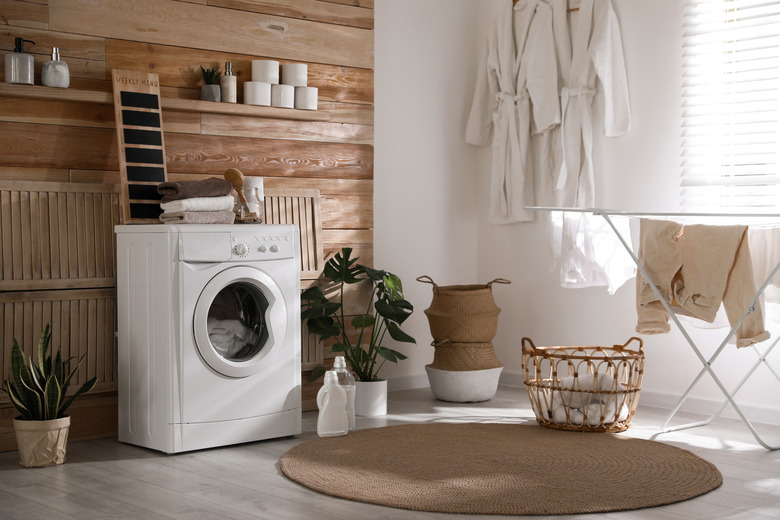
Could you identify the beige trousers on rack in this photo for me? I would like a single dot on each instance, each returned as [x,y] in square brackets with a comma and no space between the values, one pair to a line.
[696,268]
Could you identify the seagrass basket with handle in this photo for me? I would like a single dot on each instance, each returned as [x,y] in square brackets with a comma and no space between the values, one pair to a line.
[463,313]
[584,388]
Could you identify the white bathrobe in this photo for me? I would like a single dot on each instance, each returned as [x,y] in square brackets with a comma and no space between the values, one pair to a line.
[588,46]
[517,75]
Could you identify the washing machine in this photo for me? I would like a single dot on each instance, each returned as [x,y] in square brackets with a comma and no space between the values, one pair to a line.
[208,333]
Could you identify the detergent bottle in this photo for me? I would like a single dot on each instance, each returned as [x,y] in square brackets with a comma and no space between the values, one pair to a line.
[332,404]
[347,382]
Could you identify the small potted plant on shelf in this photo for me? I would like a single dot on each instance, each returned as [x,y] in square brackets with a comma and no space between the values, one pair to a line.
[37,387]
[210,91]
[362,339]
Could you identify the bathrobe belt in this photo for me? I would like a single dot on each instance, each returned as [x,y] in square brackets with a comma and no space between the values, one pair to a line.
[507,124]
[587,130]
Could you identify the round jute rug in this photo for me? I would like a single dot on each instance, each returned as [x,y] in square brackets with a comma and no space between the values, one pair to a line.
[499,469]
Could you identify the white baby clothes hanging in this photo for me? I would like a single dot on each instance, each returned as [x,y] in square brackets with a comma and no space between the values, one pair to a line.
[588,253]
[512,99]
[765,251]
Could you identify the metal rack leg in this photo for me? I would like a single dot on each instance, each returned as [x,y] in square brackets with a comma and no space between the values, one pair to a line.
[706,363]
[729,399]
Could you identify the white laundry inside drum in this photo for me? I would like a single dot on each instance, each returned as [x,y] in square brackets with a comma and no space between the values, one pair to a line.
[236,322]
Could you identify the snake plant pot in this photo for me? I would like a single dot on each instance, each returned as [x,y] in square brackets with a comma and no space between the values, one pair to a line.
[210,93]
[42,443]
[371,398]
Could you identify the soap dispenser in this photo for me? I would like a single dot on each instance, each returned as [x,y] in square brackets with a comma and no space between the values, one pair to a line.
[55,73]
[227,84]
[19,67]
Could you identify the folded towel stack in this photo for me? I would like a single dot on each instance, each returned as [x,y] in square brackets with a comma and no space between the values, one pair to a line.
[197,202]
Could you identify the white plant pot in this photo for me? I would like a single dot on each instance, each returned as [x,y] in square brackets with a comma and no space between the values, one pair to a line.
[42,443]
[371,398]
[469,386]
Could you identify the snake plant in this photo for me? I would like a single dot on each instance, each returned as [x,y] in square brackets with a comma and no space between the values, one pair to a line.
[210,76]
[37,387]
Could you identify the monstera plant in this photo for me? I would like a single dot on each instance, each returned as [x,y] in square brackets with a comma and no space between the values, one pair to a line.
[361,339]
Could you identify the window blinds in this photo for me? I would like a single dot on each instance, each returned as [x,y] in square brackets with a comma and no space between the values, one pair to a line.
[731,105]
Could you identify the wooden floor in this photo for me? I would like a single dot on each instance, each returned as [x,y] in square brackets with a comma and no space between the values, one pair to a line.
[105,479]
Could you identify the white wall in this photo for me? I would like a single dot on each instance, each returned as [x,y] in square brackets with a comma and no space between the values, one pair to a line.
[429,220]
[425,207]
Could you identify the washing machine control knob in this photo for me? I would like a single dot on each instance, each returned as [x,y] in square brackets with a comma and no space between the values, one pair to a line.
[241,249]
[274,248]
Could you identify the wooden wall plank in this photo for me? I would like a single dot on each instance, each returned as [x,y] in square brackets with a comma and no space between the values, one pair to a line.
[25,110]
[24,14]
[315,131]
[71,45]
[267,157]
[368,4]
[347,212]
[180,67]
[349,113]
[84,55]
[328,12]
[205,27]
[41,146]
[14,173]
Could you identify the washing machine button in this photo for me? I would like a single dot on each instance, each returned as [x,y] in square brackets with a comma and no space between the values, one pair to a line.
[274,248]
[262,249]
[241,249]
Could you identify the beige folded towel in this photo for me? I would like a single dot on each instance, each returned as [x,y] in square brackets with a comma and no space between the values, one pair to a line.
[211,187]
[199,217]
[199,204]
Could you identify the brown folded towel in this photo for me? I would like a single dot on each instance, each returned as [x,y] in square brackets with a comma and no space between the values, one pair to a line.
[199,217]
[177,190]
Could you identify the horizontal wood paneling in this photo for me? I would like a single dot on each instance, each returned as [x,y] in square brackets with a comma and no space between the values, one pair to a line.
[56,112]
[71,45]
[267,157]
[84,55]
[24,14]
[260,128]
[314,10]
[165,22]
[180,67]
[45,146]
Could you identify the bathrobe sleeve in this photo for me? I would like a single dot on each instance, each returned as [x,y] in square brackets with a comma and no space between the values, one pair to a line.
[608,60]
[542,72]
[479,129]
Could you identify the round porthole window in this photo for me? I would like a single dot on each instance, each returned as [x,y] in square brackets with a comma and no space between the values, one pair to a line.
[239,319]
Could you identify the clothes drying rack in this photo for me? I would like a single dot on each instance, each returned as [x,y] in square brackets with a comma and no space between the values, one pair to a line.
[706,362]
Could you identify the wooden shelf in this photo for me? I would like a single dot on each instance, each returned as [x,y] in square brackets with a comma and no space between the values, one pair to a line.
[182,105]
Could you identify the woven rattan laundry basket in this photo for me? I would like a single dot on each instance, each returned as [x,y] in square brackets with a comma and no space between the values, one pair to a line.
[591,389]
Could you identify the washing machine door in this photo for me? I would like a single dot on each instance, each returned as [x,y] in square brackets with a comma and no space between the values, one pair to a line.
[240,321]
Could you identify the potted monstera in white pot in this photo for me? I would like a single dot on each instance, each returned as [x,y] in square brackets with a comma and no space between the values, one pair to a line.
[37,387]
[361,339]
